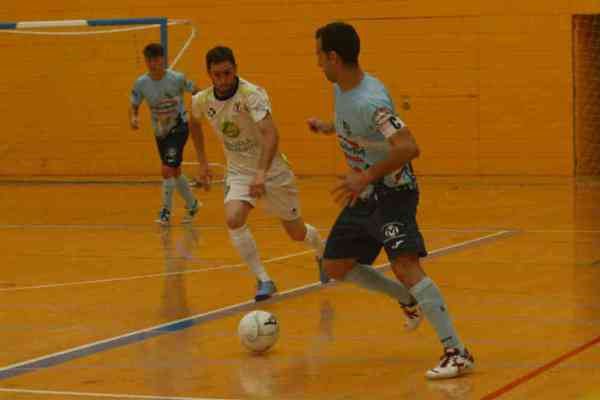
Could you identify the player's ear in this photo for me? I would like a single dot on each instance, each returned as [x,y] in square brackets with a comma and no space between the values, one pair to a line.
[335,57]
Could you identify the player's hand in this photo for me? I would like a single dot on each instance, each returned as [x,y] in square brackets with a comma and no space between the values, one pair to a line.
[134,122]
[205,176]
[257,187]
[316,125]
[347,191]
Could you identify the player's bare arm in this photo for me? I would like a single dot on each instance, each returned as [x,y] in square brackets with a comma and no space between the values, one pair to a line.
[403,149]
[134,120]
[318,126]
[204,172]
[270,138]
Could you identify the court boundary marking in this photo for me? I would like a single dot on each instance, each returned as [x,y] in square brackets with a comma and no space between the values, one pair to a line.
[104,395]
[147,276]
[163,274]
[143,227]
[540,370]
[180,324]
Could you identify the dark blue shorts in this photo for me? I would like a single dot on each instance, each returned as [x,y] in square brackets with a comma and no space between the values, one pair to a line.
[170,147]
[387,219]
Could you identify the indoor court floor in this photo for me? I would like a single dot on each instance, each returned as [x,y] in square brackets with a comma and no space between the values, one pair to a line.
[100,302]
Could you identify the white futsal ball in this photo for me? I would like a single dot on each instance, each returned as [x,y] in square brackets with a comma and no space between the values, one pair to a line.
[258,330]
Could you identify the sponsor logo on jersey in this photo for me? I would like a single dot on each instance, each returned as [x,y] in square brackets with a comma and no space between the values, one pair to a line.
[230,129]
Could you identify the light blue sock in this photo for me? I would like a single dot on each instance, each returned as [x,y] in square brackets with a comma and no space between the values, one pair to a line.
[369,278]
[183,187]
[167,193]
[433,306]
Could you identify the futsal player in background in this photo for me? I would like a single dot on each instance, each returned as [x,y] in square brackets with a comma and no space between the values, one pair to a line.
[163,89]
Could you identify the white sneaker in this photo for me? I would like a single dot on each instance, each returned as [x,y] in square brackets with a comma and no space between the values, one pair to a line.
[413,315]
[452,364]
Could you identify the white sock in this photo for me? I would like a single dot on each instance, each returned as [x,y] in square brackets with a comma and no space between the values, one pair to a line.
[313,239]
[243,241]
[183,187]
[167,193]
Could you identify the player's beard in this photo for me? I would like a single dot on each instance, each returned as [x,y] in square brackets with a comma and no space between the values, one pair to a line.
[226,91]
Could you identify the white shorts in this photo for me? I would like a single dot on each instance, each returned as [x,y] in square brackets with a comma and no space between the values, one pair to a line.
[280,199]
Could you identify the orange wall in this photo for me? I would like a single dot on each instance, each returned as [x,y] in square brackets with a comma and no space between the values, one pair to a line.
[489,84]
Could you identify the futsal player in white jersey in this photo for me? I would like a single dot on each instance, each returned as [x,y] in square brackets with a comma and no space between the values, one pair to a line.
[240,114]
[163,89]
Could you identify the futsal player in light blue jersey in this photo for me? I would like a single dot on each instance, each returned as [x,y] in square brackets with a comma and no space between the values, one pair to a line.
[163,89]
[380,194]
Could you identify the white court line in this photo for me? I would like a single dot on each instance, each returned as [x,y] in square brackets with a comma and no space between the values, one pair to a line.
[105,395]
[159,275]
[142,334]
[219,227]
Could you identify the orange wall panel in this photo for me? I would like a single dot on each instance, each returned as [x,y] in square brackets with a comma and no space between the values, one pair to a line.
[487,82]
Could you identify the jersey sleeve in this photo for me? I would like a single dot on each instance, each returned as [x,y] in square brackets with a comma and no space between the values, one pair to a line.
[136,97]
[188,85]
[382,117]
[184,84]
[258,104]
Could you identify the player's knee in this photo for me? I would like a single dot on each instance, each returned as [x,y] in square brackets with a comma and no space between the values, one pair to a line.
[335,269]
[407,269]
[234,222]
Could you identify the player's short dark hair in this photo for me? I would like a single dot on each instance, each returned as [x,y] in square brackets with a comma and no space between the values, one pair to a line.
[154,50]
[219,54]
[341,38]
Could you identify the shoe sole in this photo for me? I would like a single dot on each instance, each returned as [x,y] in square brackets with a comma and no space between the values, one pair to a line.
[465,371]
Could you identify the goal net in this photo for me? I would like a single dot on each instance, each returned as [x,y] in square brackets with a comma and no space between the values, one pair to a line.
[66,92]
[586,68]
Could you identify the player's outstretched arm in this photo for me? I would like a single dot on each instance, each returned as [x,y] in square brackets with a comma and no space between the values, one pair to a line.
[134,120]
[270,138]
[204,172]
[318,126]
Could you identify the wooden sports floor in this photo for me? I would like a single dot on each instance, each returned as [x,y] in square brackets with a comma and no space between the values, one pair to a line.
[98,302]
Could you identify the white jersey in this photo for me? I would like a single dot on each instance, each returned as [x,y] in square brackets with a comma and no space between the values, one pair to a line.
[235,122]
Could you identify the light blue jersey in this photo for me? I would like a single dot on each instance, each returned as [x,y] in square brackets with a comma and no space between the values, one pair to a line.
[164,97]
[364,117]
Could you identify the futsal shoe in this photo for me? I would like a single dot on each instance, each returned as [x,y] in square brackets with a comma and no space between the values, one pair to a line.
[190,213]
[164,216]
[413,315]
[323,277]
[264,290]
[452,364]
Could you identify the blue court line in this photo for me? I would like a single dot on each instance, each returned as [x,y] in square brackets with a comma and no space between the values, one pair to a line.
[178,325]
